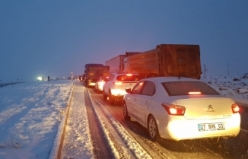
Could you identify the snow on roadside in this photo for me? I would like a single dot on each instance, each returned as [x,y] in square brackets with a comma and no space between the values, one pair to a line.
[233,87]
[77,142]
[29,118]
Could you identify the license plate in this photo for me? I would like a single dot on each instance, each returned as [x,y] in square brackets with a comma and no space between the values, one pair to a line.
[211,126]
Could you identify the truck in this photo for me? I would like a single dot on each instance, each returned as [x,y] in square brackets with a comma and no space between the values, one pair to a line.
[93,72]
[116,64]
[178,60]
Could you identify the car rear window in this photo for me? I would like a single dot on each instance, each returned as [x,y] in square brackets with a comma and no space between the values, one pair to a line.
[128,78]
[186,87]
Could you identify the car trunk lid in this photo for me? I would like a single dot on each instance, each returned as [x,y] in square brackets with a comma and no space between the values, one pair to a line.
[206,107]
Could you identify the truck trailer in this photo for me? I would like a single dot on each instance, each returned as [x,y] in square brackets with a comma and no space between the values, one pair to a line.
[93,72]
[178,60]
[117,64]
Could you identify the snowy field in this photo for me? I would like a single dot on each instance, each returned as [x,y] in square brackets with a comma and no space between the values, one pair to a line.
[234,87]
[31,113]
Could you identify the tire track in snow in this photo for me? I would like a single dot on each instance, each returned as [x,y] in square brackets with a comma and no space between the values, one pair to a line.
[101,148]
[112,128]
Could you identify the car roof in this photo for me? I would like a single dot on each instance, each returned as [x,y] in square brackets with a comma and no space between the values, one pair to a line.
[170,79]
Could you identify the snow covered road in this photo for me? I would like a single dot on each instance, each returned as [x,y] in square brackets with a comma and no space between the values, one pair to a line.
[78,141]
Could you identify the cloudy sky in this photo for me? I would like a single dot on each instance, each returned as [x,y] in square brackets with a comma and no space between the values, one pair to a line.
[41,38]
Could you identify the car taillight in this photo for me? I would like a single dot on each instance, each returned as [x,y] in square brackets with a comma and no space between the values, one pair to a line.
[174,109]
[235,108]
[118,83]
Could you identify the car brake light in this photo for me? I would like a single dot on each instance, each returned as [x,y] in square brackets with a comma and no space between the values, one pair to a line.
[129,74]
[235,108]
[118,83]
[174,109]
[194,93]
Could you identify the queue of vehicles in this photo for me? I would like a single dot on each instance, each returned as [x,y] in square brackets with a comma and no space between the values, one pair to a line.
[161,90]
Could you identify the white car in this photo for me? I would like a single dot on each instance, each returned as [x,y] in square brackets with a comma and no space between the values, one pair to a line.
[181,109]
[100,83]
[115,87]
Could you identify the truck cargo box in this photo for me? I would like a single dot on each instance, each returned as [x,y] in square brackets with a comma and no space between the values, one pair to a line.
[167,60]
[116,64]
[92,65]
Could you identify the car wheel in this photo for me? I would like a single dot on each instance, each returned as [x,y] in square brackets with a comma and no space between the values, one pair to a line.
[125,112]
[104,95]
[153,129]
[215,141]
[111,99]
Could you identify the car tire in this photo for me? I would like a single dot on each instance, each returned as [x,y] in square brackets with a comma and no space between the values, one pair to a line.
[104,96]
[111,99]
[125,112]
[215,141]
[152,128]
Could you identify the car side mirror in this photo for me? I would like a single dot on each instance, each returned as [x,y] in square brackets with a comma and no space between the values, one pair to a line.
[129,90]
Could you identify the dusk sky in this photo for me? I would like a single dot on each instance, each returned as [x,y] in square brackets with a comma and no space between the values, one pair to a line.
[54,38]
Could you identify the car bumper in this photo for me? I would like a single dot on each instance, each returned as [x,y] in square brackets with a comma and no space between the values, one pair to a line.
[178,128]
[118,92]
[91,84]
[100,86]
